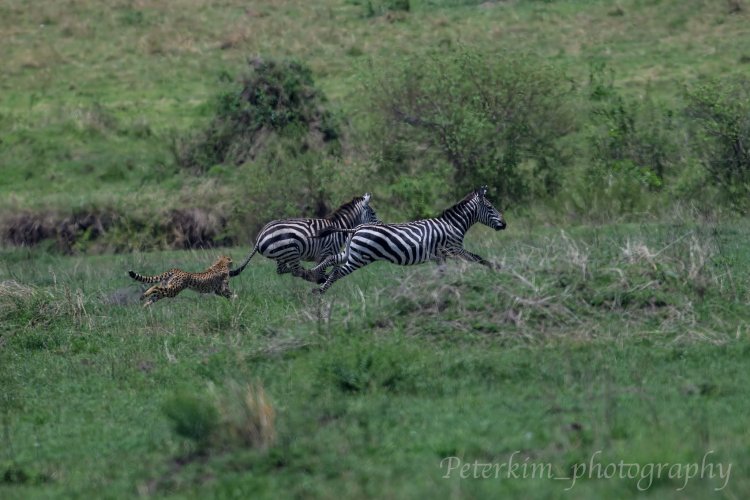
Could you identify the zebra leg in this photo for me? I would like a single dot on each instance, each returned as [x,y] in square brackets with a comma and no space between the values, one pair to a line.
[337,273]
[296,269]
[440,261]
[472,257]
[319,272]
[325,263]
[300,272]
[282,267]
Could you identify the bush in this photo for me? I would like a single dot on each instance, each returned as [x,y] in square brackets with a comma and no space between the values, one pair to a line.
[224,416]
[416,195]
[378,7]
[277,100]
[720,129]
[273,139]
[632,147]
[192,417]
[631,137]
[491,120]
[361,367]
[246,415]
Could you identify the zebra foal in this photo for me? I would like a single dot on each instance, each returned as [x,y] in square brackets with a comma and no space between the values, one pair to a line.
[289,241]
[413,242]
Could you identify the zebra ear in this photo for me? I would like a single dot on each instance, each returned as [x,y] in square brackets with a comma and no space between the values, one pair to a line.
[367,197]
[482,191]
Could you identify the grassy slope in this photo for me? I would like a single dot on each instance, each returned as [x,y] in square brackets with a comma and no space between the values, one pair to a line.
[632,340]
[92,91]
[589,341]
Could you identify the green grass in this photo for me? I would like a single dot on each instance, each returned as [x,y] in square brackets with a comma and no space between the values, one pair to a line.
[93,93]
[628,339]
[621,342]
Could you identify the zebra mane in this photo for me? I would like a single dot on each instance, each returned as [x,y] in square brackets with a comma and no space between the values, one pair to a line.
[346,207]
[468,198]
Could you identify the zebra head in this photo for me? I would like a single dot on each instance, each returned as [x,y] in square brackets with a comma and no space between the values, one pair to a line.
[367,214]
[487,214]
[353,213]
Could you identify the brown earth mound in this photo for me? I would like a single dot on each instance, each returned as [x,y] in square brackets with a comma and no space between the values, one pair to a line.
[105,230]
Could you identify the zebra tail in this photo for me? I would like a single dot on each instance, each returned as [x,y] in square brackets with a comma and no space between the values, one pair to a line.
[330,230]
[236,272]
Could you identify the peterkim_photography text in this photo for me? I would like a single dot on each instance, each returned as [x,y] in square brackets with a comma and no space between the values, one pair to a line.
[644,474]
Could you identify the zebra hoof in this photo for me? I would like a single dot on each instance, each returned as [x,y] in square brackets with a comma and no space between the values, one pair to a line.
[316,291]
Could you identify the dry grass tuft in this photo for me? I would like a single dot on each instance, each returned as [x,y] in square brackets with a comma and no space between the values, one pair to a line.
[13,289]
[636,252]
[556,286]
[246,415]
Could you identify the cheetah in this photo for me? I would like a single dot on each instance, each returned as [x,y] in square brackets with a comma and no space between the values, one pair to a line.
[215,279]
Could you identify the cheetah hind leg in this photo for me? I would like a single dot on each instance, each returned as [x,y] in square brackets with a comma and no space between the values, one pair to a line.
[148,293]
[152,295]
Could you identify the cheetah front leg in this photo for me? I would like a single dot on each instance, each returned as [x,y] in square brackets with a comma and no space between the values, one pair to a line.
[224,291]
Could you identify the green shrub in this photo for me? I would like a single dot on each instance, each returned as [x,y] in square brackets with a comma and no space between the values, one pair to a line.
[277,100]
[416,195]
[361,367]
[720,129]
[635,138]
[192,417]
[631,147]
[274,140]
[491,119]
[379,7]
[227,415]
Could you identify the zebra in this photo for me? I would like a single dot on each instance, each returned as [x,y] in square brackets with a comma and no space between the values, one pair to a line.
[413,242]
[289,241]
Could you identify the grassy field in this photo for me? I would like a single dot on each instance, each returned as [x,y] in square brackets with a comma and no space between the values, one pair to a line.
[595,356]
[616,343]
[93,93]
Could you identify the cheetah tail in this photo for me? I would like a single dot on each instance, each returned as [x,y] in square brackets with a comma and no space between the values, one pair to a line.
[148,279]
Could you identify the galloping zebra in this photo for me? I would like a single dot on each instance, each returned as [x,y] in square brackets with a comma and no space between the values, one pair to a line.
[288,241]
[413,242]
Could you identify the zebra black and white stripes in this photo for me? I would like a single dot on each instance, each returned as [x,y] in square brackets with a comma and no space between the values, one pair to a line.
[290,241]
[413,242]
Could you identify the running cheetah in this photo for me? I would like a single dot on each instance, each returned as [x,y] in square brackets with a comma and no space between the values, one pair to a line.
[215,279]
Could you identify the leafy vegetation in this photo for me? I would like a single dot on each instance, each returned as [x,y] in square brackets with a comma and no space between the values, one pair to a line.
[613,338]
[721,111]
[497,124]
[615,330]
[317,111]
[276,98]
